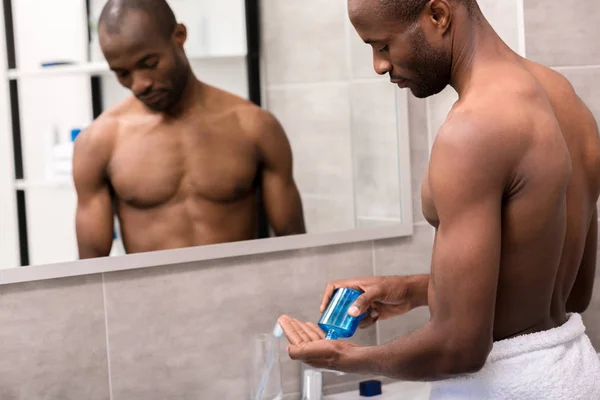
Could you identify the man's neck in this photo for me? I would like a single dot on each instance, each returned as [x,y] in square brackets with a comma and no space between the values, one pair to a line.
[473,44]
[188,97]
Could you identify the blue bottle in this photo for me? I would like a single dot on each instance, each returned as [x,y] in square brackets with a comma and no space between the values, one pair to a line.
[335,321]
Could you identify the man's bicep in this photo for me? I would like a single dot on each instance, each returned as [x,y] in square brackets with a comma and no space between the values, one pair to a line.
[94,224]
[465,269]
[94,214]
[280,193]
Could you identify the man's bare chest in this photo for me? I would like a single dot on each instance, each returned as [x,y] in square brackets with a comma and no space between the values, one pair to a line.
[154,165]
[427,203]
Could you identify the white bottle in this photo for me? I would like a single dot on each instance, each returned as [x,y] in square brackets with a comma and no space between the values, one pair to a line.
[61,159]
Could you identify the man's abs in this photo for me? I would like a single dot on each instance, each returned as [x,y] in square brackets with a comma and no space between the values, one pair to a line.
[187,223]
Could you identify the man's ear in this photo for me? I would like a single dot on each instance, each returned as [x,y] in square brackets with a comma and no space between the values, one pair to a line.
[440,14]
[180,35]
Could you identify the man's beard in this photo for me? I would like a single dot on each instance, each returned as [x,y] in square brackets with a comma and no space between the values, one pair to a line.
[432,68]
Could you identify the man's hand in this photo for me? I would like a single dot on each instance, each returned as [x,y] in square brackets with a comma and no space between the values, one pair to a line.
[308,344]
[384,296]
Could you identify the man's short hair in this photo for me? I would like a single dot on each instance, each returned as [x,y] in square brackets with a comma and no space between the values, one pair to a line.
[409,10]
[159,11]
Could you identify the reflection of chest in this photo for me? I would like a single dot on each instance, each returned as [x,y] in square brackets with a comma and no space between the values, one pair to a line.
[427,204]
[155,166]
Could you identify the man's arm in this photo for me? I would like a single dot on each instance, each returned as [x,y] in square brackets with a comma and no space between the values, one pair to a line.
[280,194]
[581,293]
[467,180]
[94,218]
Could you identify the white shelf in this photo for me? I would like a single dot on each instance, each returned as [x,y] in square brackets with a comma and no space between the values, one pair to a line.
[21,184]
[92,68]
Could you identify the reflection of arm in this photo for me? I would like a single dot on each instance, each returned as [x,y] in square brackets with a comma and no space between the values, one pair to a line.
[581,294]
[282,200]
[467,193]
[94,218]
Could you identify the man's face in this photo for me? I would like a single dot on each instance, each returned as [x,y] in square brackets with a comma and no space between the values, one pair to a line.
[402,50]
[155,69]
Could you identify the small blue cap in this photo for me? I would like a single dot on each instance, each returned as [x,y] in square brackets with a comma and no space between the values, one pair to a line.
[370,388]
[74,133]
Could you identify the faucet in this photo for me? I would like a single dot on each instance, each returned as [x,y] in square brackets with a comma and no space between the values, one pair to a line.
[312,382]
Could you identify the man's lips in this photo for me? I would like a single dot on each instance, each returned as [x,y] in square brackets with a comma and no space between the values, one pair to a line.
[402,83]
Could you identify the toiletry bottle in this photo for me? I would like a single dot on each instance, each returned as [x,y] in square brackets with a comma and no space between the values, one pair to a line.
[62,158]
[335,321]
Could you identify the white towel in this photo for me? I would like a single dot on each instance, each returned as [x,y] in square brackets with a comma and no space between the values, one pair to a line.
[557,364]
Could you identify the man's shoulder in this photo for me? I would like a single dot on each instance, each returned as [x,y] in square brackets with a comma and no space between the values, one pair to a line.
[256,122]
[482,121]
[107,124]
[99,138]
[102,129]
[492,130]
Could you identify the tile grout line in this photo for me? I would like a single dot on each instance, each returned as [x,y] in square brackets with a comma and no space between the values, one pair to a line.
[107,340]
[374,263]
[352,149]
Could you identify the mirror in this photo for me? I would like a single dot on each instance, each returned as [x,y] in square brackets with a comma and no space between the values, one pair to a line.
[347,131]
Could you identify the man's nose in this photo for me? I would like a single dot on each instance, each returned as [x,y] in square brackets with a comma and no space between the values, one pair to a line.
[381,65]
[141,85]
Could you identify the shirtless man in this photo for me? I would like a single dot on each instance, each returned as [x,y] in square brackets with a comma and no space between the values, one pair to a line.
[511,191]
[179,161]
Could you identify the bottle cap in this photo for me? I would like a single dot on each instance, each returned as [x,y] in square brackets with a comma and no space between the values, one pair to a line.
[370,388]
[74,133]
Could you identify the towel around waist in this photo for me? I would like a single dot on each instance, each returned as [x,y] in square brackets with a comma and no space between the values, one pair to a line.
[559,336]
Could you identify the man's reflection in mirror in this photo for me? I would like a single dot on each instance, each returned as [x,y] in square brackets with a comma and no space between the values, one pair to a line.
[179,161]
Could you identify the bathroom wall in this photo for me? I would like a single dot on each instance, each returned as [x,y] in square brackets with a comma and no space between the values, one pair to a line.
[340,116]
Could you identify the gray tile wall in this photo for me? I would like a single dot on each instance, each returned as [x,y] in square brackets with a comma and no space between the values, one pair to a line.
[167,341]
[339,115]
[562,32]
[53,340]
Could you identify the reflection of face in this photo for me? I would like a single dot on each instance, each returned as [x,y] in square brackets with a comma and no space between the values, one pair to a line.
[155,69]
[401,50]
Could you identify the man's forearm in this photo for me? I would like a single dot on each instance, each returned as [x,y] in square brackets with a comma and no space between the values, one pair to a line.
[418,290]
[423,355]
